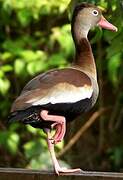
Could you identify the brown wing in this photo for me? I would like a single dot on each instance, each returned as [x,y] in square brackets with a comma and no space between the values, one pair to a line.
[56,86]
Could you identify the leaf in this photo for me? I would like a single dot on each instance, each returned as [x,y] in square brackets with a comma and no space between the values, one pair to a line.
[56,60]
[1,74]
[19,66]
[35,67]
[6,68]
[63,37]
[12,142]
[115,155]
[31,129]
[60,145]
[24,16]
[6,56]
[113,48]
[29,55]
[113,67]
[13,47]
[34,148]
[4,85]
[97,36]
[5,107]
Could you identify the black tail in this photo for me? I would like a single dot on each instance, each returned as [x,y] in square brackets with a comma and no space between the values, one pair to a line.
[12,117]
[26,116]
[17,116]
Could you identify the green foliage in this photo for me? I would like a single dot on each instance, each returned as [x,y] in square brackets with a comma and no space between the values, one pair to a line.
[115,156]
[10,141]
[28,48]
[113,68]
[62,36]
[34,37]
[33,148]
[4,85]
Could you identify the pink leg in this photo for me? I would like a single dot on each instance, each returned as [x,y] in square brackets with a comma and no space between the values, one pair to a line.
[58,134]
[59,124]
[56,165]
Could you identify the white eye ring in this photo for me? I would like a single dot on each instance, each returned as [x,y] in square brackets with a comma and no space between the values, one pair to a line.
[95,12]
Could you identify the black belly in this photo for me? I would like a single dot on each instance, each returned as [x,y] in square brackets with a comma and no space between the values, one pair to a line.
[69,110]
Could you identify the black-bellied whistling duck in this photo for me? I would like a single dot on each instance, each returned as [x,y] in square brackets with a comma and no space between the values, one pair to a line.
[58,96]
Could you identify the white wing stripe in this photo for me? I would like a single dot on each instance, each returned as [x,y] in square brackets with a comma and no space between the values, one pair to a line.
[61,94]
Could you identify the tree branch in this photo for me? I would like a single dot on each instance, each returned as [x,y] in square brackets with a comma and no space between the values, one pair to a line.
[75,138]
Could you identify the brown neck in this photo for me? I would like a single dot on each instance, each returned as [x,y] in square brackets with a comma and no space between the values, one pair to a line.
[84,57]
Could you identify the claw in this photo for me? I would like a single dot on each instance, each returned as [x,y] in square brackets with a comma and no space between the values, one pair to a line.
[59,134]
[53,125]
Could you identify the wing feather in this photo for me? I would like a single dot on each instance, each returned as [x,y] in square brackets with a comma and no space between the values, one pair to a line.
[57,86]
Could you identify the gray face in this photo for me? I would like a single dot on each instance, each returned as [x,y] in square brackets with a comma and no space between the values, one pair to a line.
[86,19]
[89,17]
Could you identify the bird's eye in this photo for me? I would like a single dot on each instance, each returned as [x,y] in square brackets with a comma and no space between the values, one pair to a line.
[95,12]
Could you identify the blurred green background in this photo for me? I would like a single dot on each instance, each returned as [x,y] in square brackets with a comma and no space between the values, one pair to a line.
[35,37]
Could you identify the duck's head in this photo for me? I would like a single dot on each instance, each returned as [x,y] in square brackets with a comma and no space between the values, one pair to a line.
[87,16]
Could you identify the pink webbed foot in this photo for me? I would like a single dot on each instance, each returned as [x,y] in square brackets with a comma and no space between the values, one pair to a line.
[59,170]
